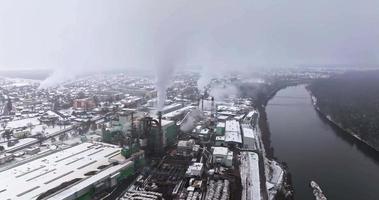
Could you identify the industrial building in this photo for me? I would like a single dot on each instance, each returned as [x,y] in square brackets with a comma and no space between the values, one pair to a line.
[185,147]
[196,169]
[233,132]
[220,141]
[249,138]
[220,129]
[169,133]
[76,172]
[171,107]
[178,114]
[222,155]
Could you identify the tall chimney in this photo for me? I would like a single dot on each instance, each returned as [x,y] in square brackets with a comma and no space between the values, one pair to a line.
[213,106]
[202,103]
[160,130]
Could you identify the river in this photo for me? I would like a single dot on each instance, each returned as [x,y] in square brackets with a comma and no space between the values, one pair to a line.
[314,150]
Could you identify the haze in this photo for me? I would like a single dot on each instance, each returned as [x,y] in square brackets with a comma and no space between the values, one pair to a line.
[73,37]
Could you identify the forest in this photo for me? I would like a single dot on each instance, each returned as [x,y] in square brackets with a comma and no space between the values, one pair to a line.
[352,100]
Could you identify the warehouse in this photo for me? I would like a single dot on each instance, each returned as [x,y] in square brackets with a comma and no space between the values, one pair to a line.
[221,155]
[178,114]
[249,138]
[233,132]
[86,165]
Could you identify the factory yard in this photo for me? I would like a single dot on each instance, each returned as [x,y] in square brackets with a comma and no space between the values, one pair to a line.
[85,141]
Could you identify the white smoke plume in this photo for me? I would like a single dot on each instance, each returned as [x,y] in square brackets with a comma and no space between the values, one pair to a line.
[190,120]
[58,76]
[75,36]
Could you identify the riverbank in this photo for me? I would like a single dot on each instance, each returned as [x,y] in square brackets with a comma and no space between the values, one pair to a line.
[315,150]
[337,125]
[286,193]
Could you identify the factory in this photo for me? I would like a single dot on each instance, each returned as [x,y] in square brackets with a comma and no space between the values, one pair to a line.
[119,145]
[72,173]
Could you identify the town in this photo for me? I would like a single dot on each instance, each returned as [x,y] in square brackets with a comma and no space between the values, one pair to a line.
[105,137]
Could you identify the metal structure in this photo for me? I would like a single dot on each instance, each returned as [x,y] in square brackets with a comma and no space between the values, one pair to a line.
[147,124]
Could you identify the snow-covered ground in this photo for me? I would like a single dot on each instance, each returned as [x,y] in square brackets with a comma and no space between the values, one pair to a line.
[249,169]
[274,178]
[23,122]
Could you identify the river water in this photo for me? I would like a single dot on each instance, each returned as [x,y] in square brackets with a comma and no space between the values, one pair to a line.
[314,150]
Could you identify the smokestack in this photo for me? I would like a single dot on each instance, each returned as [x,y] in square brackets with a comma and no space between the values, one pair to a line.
[133,132]
[160,118]
[202,103]
[212,106]
[182,100]
[160,131]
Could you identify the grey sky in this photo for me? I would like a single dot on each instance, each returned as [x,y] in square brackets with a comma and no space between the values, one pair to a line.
[73,36]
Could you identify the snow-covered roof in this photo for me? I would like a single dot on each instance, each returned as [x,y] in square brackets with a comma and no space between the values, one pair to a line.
[167,122]
[222,117]
[233,131]
[220,138]
[29,180]
[233,136]
[177,112]
[232,125]
[221,124]
[23,122]
[248,133]
[251,113]
[220,151]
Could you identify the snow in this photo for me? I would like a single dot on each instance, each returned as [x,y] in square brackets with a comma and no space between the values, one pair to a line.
[232,131]
[222,151]
[231,136]
[23,122]
[248,133]
[250,179]
[274,177]
[45,173]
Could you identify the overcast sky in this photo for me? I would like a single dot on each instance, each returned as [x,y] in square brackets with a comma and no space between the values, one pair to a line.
[76,35]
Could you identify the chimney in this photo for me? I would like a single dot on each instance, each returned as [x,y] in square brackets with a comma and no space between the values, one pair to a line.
[202,103]
[160,119]
[213,106]
[160,129]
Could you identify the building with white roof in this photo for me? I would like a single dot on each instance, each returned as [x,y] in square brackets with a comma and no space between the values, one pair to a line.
[196,169]
[249,138]
[220,141]
[233,132]
[82,167]
[222,155]
[177,114]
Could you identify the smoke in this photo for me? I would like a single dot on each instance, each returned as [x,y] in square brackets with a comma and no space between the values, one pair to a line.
[74,37]
[190,120]
[162,82]
[224,92]
[57,77]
